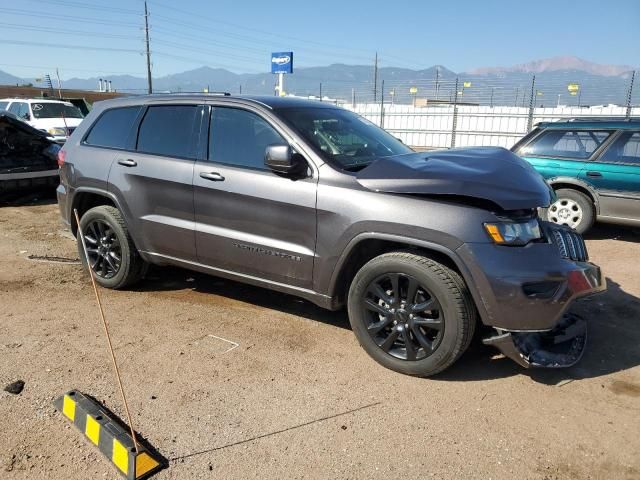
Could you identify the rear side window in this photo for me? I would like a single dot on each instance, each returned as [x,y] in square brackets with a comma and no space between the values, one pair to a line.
[240,138]
[578,144]
[3,105]
[169,130]
[20,109]
[113,127]
[626,149]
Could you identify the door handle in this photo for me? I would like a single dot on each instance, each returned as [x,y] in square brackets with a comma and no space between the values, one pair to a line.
[213,176]
[594,174]
[127,162]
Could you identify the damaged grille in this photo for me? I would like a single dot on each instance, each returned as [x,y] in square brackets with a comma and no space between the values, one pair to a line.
[570,244]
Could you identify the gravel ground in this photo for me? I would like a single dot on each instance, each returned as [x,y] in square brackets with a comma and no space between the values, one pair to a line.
[298,398]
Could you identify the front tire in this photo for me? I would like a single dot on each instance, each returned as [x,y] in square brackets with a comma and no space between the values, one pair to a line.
[410,313]
[112,255]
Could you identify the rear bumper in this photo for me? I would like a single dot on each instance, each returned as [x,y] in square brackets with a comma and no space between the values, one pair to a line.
[524,289]
[63,205]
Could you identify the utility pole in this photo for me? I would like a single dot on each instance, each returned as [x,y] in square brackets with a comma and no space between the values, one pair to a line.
[59,84]
[382,105]
[437,78]
[491,103]
[146,35]
[531,104]
[375,78]
[320,91]
[630,94]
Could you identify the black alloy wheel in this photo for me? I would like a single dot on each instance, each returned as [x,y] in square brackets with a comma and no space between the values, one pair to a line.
[104,251]
[402,316]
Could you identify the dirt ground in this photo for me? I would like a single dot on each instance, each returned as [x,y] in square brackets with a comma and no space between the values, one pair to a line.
[298,398]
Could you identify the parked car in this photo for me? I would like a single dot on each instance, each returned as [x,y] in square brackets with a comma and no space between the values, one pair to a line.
[59,119]
[593,166]
[313,200]
[28,157]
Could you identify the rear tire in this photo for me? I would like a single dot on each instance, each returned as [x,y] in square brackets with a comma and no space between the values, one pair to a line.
[571,208]
[115,261]
[410,313]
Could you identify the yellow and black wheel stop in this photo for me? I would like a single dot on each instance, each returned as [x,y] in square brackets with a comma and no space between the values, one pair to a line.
[106,431]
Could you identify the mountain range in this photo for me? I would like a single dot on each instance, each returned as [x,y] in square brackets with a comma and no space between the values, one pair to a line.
[599,84]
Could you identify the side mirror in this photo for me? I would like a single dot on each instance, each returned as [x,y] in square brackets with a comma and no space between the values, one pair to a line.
[282,159]
[26,116]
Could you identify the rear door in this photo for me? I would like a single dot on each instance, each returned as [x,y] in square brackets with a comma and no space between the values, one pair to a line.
[248,219]
[563,152]
[616,175]
[155,180]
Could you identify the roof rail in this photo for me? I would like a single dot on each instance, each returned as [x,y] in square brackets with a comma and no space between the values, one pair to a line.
[601,119]
[183,93]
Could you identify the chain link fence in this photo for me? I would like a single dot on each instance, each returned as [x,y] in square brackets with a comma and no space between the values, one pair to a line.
[463,113]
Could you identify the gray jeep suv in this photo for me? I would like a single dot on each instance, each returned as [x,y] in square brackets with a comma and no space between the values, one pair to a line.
[310,199]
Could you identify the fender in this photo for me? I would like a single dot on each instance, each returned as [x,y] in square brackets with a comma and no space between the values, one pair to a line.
[416,242]
[578,183]
[104,193]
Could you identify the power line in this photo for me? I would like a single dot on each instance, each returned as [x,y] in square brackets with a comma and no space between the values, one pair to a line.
[59,31]
[67,46]
[72,4]
[68,18]
[48,67]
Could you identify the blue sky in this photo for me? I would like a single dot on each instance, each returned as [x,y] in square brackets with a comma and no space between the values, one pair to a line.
[106,38]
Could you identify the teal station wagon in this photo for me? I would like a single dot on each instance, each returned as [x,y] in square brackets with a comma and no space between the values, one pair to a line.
[594,167]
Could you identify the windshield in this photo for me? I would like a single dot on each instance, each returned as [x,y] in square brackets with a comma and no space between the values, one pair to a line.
[55,110]
[341,137]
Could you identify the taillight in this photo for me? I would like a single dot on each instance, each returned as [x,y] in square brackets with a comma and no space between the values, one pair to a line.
[61,155]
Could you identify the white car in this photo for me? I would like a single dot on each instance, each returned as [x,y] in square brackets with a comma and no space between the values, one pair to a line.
[59,119]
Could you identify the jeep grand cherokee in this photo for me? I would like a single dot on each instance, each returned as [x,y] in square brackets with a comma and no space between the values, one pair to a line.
[313,200]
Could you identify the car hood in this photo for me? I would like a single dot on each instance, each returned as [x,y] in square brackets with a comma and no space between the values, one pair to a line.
[489,173]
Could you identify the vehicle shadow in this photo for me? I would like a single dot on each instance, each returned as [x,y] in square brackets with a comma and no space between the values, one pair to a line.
[613,337]
[613,321]
[174,278]
[606,231]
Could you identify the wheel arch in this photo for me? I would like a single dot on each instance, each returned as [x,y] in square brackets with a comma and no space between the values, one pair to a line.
[575,184]
[85,199]
[367,246]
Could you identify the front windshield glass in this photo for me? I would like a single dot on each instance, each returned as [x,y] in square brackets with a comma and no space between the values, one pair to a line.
[341,137]
[55,110]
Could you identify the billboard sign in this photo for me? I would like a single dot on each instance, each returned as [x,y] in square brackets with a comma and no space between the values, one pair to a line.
[282,62]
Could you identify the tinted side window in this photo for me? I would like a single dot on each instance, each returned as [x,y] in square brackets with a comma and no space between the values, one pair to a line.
[3,105]
[626,149]
[24,111]
[169,130]
[239,137]
[579,144]
[113,127]
[15,108]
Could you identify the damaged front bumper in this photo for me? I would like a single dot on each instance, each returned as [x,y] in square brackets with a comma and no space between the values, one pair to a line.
[558,348]
[525,295]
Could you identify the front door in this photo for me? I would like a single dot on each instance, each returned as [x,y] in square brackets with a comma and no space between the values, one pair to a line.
[616,176]
[248,219]
[156,180]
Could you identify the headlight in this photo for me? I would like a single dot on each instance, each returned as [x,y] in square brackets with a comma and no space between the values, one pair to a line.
[514,233]
[58,132]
